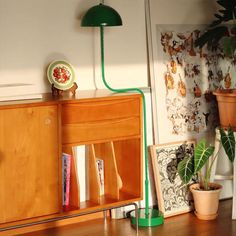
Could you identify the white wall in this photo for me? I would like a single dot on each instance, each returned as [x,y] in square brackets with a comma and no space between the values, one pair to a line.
[125,47]
[36,32]
[183,11]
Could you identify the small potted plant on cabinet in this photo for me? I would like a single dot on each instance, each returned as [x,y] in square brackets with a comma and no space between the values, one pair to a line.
[205,193]
[219,33]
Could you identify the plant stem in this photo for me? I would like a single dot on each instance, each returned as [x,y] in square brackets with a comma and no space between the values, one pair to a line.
[208,173]
[200,179]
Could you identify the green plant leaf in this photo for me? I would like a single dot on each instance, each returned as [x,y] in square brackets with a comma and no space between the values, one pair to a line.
[201,155]
[228,142]
[217,30]
[211,37]
[186,169]
[229,45]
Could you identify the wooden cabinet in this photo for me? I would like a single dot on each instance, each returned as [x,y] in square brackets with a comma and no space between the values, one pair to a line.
[33,135]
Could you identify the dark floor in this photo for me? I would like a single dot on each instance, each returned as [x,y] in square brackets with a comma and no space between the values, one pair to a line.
[182,225]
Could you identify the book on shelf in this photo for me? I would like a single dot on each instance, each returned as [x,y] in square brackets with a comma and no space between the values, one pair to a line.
[100,171]
[18,91]
[66,170]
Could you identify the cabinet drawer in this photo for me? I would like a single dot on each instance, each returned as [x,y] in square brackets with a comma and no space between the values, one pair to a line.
[102,130]
[100,110]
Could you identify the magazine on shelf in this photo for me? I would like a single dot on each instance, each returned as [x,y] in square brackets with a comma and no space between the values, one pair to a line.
[66,170]
[100,171]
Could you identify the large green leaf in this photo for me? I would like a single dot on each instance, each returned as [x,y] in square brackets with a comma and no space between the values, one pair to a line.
[229,45]
[186,169]
[201,155]
[211,37]
[228,142]
[217,29]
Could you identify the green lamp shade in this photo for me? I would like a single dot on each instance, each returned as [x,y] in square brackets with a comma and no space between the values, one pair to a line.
[101,15]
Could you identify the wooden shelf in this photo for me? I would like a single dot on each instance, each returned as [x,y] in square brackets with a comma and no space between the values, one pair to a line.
[105,202]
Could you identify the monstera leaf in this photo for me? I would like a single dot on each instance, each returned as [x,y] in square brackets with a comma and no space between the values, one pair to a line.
[186,169]
[201,155]
[228,142]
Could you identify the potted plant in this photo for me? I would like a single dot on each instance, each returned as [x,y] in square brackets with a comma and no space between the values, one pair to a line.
[205,193]
[218,33]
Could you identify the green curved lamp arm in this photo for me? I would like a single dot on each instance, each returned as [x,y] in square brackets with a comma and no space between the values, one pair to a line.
[144,118]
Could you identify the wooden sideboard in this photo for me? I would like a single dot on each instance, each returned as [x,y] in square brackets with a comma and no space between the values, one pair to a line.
[33,135]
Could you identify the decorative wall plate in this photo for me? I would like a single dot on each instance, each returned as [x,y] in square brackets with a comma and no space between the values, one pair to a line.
[61,74]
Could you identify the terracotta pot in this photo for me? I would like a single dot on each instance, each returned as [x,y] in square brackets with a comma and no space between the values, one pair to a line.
[226,99]
[206,202]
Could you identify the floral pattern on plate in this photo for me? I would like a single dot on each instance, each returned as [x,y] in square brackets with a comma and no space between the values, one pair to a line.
[61,74]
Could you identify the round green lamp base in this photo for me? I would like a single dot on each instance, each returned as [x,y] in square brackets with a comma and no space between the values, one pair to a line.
[154,218]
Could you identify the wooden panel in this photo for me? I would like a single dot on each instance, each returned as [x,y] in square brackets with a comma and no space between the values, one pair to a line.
[107,130]
[29,163]
[93,180]
[105,151]
[129,164]
[54,224]
[100,110]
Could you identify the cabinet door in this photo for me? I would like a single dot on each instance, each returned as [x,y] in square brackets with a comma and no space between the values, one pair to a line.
[29,162]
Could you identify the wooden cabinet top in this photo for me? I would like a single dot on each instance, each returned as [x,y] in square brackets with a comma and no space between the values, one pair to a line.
[80,96]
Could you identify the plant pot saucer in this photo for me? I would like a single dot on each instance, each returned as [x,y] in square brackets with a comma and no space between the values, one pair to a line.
[206,217]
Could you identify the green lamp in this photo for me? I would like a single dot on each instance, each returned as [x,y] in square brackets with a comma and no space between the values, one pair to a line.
[102,16]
